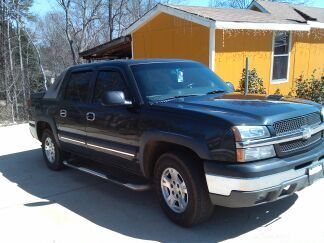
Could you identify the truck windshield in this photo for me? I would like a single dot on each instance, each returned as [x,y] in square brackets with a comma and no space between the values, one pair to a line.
[162,81]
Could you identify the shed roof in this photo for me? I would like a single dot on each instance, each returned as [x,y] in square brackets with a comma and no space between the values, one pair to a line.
[273,16]
[295,12]
[233,14]
[115,49]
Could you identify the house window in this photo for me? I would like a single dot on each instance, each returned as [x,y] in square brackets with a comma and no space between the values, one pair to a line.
[281,51]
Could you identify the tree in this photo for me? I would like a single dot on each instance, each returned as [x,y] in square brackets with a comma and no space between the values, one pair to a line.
[85,24]
[19,70]
[255,84]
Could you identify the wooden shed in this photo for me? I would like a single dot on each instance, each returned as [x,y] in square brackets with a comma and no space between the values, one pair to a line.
[282,41]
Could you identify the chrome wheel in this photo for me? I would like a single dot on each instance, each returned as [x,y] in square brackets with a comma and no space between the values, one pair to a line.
[174,190]
[49,148]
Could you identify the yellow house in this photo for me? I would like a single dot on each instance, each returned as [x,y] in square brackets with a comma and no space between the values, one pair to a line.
[282,41]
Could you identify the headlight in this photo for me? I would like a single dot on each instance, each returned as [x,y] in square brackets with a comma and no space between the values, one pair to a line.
[243,133]
[322,112]
[258,153]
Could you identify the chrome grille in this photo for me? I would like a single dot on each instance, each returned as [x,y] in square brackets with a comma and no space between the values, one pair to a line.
[300,143]
[296,123]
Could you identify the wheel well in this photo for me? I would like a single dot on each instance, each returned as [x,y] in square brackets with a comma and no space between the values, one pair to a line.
[153,150]
[41,126]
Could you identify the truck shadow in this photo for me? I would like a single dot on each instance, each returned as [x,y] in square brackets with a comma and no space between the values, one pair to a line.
[134,214]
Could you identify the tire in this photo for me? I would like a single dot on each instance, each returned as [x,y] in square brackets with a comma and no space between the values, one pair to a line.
[190,206]
[53,156]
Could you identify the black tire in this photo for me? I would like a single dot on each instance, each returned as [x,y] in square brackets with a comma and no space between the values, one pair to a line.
[199,207]
[57,163]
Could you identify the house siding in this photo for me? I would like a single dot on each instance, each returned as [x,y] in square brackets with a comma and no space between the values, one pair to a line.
[308,53]
[167,36]
[233,46]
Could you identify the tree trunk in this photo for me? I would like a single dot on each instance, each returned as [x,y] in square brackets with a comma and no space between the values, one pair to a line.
[23,82]
[110,20]
[11,76]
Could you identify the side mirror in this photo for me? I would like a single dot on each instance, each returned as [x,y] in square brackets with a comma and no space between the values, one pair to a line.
[231,86]
[115,98]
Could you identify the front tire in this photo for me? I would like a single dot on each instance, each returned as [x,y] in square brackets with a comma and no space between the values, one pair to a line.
[181,189]
[53,156]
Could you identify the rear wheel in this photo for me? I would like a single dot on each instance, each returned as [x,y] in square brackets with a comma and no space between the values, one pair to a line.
[181,189]
[53,156]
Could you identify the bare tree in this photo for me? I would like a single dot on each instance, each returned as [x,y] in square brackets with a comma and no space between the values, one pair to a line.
[80,22]
[17,60]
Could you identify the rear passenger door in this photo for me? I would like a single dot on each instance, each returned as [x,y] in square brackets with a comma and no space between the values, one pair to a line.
[71,112]
[112,131]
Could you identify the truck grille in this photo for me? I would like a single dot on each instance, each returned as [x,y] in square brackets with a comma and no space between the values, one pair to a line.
[300,143]
[296,123]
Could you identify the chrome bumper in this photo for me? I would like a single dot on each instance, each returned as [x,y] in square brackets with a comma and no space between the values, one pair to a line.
[223,185]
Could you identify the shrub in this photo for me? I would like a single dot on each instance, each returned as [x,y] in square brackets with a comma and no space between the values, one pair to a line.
[255,83]
[311,89]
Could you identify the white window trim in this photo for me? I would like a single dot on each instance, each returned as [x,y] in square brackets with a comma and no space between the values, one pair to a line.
[286,80]
[212,46]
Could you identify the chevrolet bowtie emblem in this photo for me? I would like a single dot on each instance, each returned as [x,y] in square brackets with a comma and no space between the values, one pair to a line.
[307,133]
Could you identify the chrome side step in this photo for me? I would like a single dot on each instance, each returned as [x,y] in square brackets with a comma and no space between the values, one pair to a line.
[129,185]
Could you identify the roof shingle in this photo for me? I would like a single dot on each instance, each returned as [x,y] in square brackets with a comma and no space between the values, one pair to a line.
[297,12]
[233,15]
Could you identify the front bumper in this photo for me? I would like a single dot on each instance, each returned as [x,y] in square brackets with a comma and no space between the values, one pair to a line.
[245,185]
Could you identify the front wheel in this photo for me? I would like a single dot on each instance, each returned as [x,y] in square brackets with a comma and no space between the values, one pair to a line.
[181,189]
[53,156]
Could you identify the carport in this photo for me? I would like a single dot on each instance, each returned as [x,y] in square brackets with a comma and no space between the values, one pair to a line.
[119,48]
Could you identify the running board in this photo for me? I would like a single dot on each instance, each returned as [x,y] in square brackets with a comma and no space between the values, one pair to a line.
[121,182]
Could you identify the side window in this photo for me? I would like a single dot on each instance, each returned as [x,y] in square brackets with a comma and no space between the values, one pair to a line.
[281,50]
[109,81]
[78,87]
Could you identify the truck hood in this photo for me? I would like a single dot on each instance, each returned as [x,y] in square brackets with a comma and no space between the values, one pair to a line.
[244,109]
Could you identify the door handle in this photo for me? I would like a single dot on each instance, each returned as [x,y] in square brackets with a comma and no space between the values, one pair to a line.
[90,116]
[63,113]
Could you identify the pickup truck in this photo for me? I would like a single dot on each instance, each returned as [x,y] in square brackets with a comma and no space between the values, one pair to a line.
[175,126]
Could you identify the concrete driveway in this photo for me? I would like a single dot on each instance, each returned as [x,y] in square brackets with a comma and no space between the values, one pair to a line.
[39,205]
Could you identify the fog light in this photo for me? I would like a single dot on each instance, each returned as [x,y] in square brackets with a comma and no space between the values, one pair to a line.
[258,153]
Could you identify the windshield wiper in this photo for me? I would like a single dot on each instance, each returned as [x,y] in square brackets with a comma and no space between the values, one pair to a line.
[216,91]
[183,96]
[176,97]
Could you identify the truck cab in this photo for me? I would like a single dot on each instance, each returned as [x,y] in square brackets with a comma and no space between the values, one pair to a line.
[176,127]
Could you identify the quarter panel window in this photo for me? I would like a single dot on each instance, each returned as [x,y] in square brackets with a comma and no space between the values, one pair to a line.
[78,87]
[109,81]
[280,60]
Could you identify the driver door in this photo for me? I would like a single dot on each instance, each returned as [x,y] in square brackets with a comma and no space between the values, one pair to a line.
[112,130]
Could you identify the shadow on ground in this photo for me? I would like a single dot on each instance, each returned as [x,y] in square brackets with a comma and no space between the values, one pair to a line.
[134,214]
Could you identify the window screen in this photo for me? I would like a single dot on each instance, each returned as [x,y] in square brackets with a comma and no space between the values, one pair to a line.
[280,55]
[78,87]
[109,81]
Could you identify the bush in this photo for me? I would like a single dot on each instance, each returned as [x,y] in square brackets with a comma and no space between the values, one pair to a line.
[311,89]
[255,83]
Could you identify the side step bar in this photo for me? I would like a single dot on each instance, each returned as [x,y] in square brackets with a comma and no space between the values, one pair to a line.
[129,185]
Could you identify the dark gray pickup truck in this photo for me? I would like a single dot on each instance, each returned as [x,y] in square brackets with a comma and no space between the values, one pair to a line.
[177,127]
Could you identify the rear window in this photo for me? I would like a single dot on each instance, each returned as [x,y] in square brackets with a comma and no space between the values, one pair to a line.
[78,87]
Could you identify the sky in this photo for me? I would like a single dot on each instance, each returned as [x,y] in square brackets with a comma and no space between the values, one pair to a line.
[41,7]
